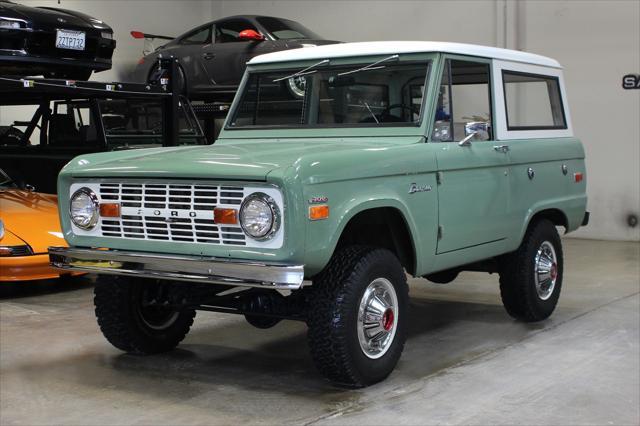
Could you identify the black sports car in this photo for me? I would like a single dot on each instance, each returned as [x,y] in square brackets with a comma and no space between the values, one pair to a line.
[53,42]
[213,56]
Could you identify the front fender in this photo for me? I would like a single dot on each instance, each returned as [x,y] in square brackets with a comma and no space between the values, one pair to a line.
[389,192]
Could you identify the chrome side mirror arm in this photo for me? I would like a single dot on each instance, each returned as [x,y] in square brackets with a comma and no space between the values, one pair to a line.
[467,140]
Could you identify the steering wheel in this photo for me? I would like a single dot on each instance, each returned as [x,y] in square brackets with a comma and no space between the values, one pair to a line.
[13,137]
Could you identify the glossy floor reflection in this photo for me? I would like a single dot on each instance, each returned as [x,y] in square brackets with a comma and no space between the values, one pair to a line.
[466,361]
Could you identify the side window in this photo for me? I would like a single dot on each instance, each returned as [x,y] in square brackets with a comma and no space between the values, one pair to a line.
[532,101]
[199,36]
[228,31]
[464,102]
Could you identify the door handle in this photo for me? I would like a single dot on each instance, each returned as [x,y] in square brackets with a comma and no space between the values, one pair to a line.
[501,148]
[208,56]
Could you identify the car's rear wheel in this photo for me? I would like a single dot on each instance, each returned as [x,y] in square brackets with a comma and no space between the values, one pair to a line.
[156,75]
[358,316]
[531,277]
[135,315]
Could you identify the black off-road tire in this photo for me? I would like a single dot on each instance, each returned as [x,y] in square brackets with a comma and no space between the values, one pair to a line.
[517,275]
[117,300]
[333,314]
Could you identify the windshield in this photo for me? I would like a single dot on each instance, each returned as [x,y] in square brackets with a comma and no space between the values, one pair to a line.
[284,29]
[364,95]
[136,122]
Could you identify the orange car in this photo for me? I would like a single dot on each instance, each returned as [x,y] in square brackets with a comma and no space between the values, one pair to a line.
[29,224]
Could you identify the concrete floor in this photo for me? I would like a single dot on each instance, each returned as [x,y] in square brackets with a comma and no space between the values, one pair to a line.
[466,361]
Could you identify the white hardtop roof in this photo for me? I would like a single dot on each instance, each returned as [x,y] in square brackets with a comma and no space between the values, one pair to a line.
[342,50]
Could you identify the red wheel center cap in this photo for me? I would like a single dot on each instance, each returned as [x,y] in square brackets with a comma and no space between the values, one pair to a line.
[554,271]
[387,319]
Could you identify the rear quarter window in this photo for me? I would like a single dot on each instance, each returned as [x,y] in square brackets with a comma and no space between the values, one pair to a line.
[532,101]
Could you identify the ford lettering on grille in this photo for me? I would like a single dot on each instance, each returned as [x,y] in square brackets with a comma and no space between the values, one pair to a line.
[171,212]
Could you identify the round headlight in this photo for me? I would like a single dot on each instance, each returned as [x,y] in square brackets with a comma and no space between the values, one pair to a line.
[259,216]
[84,208]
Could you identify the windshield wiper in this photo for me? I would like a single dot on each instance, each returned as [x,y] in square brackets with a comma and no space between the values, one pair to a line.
[303,71]
[371,112]
[371,66]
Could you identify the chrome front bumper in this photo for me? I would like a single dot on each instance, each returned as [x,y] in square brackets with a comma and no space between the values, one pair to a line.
[201,269]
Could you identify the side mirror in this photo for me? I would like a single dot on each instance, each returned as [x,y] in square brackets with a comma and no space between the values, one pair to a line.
[479,128]
[250,35]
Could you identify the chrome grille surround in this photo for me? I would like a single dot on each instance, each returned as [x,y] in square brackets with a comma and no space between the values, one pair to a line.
[173,211]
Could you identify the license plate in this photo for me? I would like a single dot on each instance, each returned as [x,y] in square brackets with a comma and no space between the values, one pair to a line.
[74,40]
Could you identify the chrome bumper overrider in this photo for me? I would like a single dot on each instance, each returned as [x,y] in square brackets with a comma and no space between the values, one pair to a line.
[179,267]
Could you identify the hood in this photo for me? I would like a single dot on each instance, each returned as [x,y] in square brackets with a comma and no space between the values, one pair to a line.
[246,161]
[48,16]
[32,217]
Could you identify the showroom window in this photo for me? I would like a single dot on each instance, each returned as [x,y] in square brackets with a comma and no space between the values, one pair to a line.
[532,102]
[464,102]
[354,96]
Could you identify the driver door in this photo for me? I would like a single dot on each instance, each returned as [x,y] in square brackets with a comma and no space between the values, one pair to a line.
[473,193]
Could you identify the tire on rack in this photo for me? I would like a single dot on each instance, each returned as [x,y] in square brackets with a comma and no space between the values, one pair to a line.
[155,75]
[132,327]
[349,348]
[531,277]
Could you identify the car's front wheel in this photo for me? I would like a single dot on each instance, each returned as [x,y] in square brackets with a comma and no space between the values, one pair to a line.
[358,316]
[134,315]
[531,277]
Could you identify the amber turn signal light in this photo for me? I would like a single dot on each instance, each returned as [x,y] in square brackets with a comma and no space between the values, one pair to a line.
[225,216]
[319,212]
[110,210]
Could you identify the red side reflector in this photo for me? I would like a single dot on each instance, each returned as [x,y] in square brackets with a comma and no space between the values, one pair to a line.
[225,216]
[137,34]
[577,177]
[141,61]
[110,210]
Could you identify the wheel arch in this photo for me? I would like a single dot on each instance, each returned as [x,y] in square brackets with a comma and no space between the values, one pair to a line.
[396,232]
[554,215]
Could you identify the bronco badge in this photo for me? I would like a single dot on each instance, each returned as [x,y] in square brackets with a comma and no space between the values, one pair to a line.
[414,187]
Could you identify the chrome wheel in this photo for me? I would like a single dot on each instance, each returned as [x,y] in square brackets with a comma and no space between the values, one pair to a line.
[297,86]
[546,270]
[377,318]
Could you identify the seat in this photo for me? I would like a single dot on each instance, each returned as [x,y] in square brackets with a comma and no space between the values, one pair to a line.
[63,131]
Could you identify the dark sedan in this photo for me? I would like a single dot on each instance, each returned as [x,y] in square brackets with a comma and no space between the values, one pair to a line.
[213,56]
[55,43]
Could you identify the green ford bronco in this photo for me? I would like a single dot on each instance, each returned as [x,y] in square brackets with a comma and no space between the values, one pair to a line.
[340,170]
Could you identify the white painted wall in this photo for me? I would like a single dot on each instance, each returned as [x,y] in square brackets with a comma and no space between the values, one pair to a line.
[596,41]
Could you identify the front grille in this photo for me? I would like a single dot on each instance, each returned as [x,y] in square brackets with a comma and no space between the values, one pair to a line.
[171,212]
